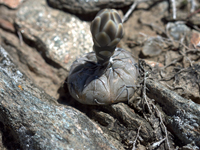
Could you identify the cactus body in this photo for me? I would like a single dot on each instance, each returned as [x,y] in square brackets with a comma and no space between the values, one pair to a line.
[92,84]
[109,74]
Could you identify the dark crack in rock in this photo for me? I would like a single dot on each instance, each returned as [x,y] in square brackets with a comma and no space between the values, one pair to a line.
[32,64]
[183,115]
[38,122]
[61,37]
[189,79]
[132,120]
[88,6]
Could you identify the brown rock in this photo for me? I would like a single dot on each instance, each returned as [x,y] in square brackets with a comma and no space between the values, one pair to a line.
[11,3]
[59,36]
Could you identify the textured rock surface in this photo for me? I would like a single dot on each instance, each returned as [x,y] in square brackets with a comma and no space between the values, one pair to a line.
[152,47]
[177,30]
[59,36]
[132,120]
[38,122]
[88,6]
[30,61]
[183,115]
[11,3]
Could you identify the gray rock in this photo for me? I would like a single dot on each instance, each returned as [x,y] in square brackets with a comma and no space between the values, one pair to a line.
[59,36]
[38,122]
[178,30]
[132,120]
[30,61]
[88,6]
[183,115]
[152,46]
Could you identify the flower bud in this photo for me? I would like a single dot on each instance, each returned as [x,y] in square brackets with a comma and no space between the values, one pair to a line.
[107,31]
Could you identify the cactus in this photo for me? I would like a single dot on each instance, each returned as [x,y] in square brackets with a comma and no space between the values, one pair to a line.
[107,31]
[107,75]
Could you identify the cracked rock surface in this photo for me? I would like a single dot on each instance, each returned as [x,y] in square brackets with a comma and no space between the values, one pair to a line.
[37,121]
[88,7]
[59,36]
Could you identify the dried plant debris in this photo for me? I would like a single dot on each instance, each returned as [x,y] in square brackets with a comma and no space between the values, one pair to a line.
[183,115]
[14,4]
[178,115]
[122,123]
[185,80]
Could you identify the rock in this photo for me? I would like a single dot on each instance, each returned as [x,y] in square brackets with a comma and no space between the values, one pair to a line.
[90,7]
[195,40]
[132,120]
[32,64]
[178,30]
[182,114]
[152,46]
[37,121]
[59,36]
[11,3]
[187,80]
[190,147]
[154,63]
[122,122]
[6,25]
[189,19]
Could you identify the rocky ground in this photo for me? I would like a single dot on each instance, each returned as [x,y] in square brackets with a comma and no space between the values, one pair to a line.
[40,39]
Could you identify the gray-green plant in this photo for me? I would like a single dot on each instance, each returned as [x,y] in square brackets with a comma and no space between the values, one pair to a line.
[109,74]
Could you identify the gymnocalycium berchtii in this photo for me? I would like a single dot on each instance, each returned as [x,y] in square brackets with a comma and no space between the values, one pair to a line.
[107,75]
